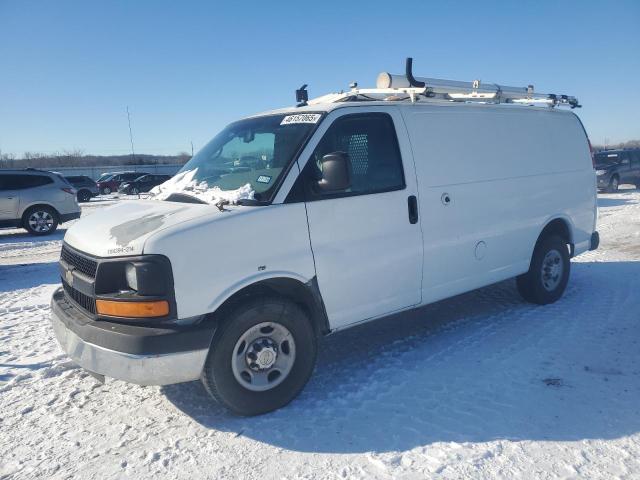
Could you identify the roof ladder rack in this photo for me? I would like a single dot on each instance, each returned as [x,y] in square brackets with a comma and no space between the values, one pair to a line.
[392,87]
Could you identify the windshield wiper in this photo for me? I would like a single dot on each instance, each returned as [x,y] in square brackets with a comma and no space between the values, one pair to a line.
[247,202]
[184,198]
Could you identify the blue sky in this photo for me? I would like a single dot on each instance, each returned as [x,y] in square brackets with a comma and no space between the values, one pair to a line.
[68,69]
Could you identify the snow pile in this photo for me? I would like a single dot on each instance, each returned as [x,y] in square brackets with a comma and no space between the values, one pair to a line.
[482,385]
[185,182]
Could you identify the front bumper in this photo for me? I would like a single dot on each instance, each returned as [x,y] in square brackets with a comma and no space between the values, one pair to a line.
[603,181]
[136,354]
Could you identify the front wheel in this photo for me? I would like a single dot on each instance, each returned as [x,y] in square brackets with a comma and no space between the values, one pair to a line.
[106,190]
[548,273]
[40,220]
[261,357]
[614,183]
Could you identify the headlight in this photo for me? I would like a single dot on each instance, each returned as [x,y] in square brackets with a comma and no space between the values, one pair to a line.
[600,172]
[135,287]
[147,277]
[132,276]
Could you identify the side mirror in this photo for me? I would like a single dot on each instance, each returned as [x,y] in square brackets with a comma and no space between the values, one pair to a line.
[336,172]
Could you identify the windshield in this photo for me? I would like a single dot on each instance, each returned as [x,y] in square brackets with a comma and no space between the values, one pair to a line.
[105,177]
[248,156]
[606,160]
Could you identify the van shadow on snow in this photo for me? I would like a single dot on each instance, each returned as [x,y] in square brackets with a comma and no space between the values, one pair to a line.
[18,277]
[604,202]
[479,367]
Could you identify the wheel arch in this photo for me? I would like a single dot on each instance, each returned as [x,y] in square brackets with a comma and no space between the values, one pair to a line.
[28,207]
[561,226]
[305,294]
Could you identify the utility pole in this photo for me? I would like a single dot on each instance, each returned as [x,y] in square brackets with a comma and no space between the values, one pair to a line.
[133,153]
[191,148]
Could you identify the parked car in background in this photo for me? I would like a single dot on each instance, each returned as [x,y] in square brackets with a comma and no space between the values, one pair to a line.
[143,184]
[615,167]
[104,176]
[85,187]
[36,200]
[112,182]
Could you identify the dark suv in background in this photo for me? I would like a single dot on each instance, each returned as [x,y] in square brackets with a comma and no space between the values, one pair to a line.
[85,187]
[615,167]
[143,184]
[112,182]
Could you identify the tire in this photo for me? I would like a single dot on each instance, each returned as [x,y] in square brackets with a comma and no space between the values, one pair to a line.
[40,220]
[106,190]
[84,195]
[135,191]
[614,183]
[249,386]
[540,285]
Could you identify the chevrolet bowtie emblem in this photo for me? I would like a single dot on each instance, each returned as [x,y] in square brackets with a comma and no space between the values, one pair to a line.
[68,275]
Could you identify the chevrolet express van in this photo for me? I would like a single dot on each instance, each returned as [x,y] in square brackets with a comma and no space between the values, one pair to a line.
[300,222]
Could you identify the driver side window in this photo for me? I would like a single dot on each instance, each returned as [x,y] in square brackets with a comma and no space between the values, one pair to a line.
[370,142]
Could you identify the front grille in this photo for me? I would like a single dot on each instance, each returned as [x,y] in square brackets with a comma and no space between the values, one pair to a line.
[85,301]
[79,262]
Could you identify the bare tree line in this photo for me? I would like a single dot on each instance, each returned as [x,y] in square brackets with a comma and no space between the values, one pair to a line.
[77,158]
[613,146]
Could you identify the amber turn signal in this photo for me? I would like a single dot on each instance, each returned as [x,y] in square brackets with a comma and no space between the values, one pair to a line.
[132,309]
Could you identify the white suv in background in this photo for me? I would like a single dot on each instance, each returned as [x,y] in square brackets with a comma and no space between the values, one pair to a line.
[36,200]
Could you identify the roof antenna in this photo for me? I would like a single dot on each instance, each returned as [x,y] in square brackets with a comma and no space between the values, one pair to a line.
[409,74]
[302,96]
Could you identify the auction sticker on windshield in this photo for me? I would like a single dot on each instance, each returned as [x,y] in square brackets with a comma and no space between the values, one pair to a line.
[264,179]
[301,118]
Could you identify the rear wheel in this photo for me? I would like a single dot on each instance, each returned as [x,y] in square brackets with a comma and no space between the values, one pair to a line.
[614,183]
[261,356]
[548,273]
[40,220]
[84,195]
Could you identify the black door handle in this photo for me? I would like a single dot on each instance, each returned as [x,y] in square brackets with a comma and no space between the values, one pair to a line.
[412,203]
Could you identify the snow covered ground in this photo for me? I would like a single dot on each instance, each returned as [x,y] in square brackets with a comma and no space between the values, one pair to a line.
[479,386]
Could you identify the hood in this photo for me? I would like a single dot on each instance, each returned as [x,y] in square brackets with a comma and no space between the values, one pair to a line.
[605,166]
[123,228]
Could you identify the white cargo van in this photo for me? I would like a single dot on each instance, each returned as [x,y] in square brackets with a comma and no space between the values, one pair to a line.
[300,222]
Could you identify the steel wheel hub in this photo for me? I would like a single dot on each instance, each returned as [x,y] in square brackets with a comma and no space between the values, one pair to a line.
[552,269]
[263,356]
